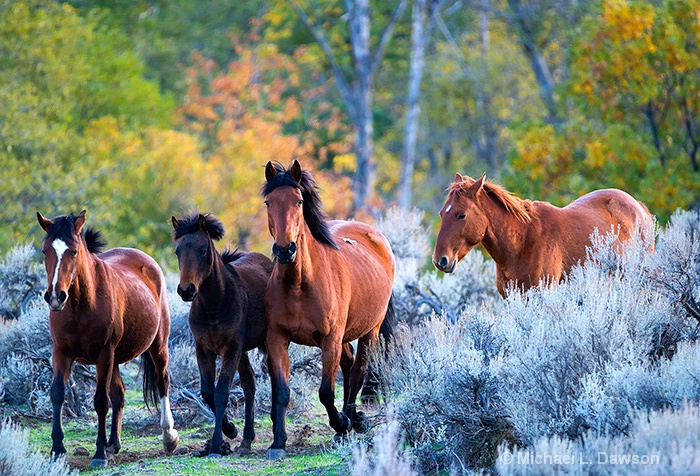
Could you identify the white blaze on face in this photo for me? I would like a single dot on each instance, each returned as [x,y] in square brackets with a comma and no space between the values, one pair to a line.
[60,247]
[449,207]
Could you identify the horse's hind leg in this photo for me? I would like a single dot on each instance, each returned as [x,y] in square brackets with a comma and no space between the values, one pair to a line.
[346,360]
[357,378]
[248,384]
[331,351]
[116,395]
[105,366]
[159,354]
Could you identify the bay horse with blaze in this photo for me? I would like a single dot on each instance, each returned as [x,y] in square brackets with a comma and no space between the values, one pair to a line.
[227,317]
[331,284]
[106,308]
[530,241]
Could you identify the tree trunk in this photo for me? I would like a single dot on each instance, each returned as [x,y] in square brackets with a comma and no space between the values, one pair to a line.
[534,55]
[419,35]
[364,125]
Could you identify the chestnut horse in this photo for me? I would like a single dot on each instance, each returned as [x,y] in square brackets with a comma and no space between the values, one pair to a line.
[105,309]
[529,241]
[331,284]
[227,317]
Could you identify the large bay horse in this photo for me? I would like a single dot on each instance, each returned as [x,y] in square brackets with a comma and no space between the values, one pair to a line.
[105,309]
[331,284]
[227,317]
[529,241]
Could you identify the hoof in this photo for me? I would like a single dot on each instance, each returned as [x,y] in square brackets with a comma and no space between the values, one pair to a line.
[98,463]
[273,454]
[214,455]
[360,423]
[112,450]
[243,451]
[345,423]
[230,431]
[170,440]
[341,438]
[55,457]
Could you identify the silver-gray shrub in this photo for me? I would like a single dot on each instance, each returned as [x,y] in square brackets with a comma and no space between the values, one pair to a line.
[20,280]
[443,380]
[25,367]
[662,441]
[16,459]
[385,455]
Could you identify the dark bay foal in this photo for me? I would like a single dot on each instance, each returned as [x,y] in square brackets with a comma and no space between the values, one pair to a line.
[227,317]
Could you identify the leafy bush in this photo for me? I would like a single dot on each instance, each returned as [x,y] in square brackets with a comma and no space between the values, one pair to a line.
[16,460]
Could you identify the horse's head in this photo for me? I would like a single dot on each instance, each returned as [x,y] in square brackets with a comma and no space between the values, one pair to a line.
[62,252]
[285,211]
[195,250]
[463,223]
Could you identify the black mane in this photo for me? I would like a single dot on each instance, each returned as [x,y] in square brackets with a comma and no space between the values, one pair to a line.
[314,215]
[63,228]
[229,255]
[190,224]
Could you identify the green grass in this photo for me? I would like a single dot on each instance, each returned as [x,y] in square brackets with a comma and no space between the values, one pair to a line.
[309,449]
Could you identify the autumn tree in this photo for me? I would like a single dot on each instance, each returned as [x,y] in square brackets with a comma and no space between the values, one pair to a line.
[262,106]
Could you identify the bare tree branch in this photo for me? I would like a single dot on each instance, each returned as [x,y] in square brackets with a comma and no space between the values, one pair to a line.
[385,36]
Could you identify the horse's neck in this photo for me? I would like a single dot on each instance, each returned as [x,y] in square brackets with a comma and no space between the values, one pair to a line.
[86,280]
[216,285]
[506,234]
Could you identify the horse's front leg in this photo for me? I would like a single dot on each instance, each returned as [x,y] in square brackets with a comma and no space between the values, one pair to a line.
[331,351]
[278,358]
[116,395]
[104,367]
[61,373]
[245,370]
[229,363]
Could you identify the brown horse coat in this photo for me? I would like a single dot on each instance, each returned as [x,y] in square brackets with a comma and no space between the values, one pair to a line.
[331,284]
[529,241]
[105,309]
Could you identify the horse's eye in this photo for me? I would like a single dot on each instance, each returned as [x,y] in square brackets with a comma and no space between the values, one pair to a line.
[300,203]
[43,252]
[267,204]
[75,252]
[462,216]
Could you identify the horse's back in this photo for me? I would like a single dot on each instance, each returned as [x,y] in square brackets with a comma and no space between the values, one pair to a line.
[137,268]
[611,208]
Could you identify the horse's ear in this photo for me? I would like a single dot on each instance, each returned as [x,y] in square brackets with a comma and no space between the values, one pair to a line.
[202,221]
[270,171]
[458,178]
[175,223]
[295,171]
[477,186]
[44,222]
[80,222]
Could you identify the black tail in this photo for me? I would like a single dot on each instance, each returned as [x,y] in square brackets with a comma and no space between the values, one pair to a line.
[151,394]
[370,390]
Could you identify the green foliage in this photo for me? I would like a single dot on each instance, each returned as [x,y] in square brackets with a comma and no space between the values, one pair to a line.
[633,123]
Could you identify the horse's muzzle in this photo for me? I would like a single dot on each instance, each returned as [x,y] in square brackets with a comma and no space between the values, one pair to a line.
[285,254]
[444,265]
[187,294]
[56,303]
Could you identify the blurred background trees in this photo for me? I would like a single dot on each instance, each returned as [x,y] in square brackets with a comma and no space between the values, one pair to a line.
[141,110]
